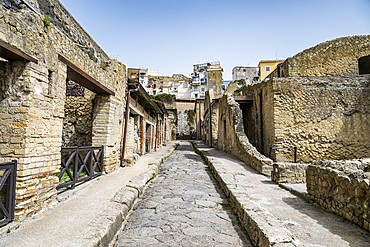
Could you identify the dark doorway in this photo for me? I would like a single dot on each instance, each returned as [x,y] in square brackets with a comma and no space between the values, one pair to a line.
[249,122]
[261,123]
[364,65]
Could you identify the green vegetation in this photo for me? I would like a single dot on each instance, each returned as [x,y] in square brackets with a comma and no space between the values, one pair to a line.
[65,178]
[46,21]
[164,97]
[153,207]
[236,92]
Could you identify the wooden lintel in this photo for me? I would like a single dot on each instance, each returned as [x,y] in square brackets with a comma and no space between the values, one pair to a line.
[81,77]
[12,53]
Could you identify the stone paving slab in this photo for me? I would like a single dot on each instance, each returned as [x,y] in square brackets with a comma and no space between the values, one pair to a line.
[274,216]
[93,215]
[182,207]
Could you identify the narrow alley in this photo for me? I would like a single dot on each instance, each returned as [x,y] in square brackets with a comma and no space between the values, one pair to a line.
[182,207]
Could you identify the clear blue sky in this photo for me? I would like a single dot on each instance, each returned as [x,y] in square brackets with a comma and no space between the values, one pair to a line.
[172,35]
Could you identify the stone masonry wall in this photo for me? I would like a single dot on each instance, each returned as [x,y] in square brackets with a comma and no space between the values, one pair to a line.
[77,122]
[289,173]
[33,97]
[338,57]
[233,140]
[342,187]
[32,110]
[324,117]
[214,123]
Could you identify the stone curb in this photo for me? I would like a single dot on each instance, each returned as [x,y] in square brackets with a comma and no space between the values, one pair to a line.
[103,229]
[263,228]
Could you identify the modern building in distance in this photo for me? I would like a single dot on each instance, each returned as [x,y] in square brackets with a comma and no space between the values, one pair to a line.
[267,66]
[153,72]
[141,74]
[177,84]
[155,84]
[249,74]
[206,76]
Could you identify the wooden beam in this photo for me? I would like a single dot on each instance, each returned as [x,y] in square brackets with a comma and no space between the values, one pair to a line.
[12,53]
[81,77]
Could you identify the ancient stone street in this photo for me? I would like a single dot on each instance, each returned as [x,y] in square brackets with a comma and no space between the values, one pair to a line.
[182,207]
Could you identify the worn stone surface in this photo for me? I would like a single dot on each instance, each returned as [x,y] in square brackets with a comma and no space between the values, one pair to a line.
[274,216]
[182,207]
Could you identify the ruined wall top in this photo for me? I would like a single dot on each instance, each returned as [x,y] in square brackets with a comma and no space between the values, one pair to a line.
[23,26]
[337,57]
[64,21]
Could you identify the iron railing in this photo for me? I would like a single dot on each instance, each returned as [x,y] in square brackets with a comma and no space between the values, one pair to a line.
[8,174]
[79,164]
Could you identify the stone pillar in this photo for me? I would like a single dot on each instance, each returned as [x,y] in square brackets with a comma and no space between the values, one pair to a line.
[31,131]
[142,136]
[107,129]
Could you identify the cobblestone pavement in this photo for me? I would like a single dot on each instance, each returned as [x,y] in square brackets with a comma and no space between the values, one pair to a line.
[182,207]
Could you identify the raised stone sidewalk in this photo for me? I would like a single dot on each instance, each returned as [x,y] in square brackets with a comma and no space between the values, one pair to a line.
[92,214]
[273,216]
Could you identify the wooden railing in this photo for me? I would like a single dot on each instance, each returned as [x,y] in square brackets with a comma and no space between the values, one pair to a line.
[8,174]
[79,164]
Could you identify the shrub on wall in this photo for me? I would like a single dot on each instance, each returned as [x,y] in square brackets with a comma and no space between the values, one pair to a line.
[164,97]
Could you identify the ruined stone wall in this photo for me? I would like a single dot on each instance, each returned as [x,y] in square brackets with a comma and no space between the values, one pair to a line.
[338,57]
[136,132]
[77,122]
[289,173]
[205,124]
[324,117]
[171,124]
[214,81]
[32,110]
[184,127]
[214,111]
[233,140]
[199,117]
[342,187]
[211,119]
[33,99]
[259,117]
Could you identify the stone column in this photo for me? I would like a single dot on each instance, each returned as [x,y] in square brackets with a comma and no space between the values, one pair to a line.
[31,131]
[107,129]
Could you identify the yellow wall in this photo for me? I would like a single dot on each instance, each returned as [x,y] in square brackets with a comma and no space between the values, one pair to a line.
[270,64]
